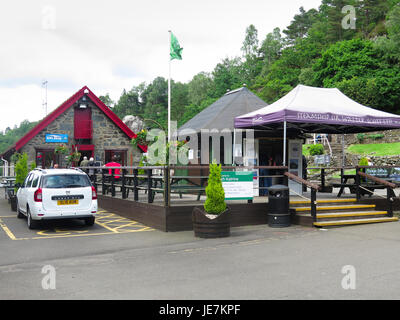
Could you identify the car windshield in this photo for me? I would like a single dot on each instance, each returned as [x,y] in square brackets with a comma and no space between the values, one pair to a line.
[65,181]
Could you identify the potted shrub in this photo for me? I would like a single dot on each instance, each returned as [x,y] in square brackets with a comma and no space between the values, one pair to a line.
[212,220]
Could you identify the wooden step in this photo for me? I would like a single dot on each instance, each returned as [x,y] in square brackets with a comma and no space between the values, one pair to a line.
[354,221]
[321,202]
[335,216]
[334,208]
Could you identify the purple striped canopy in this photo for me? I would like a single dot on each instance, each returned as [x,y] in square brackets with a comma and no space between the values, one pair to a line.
[318,110]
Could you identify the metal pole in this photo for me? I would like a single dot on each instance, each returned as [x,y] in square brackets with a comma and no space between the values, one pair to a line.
[343,156]
[284,143]
[169,93]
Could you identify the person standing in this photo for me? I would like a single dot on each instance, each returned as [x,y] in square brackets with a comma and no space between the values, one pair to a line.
[117,171]
[91,170]
[84,162]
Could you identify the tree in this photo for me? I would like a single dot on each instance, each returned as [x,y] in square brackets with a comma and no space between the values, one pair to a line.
[129,103]
[300,25]
[361,71]
[271,49]
[107,100]
[200,88]
[227,76]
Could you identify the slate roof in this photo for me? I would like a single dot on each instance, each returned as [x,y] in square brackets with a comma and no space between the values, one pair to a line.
[221,114]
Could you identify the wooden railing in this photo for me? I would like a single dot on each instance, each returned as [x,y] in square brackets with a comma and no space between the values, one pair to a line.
[390,195]
[163,179]
[314,188]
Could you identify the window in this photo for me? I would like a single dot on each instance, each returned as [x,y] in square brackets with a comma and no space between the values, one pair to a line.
[119,154]
[35,182]
[29,182]
[45,158]
[26,180]
[60,181]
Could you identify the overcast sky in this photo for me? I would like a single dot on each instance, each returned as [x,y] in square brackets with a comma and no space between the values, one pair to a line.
[117,44]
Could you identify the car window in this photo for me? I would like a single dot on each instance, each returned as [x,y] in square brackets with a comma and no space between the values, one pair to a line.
[65,181]
[29,182]
[35,182]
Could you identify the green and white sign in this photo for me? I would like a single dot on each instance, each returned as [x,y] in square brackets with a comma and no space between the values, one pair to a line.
[237,185]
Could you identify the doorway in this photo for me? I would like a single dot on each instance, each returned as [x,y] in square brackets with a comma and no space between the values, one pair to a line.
[270,154]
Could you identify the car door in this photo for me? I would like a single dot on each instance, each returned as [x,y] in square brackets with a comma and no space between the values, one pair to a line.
[22,193]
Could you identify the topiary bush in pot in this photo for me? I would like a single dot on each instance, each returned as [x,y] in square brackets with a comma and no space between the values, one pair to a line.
[213,219]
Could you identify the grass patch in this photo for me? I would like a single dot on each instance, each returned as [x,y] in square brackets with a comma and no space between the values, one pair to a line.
[376,149]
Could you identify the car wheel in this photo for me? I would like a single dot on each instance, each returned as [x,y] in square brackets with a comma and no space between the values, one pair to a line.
[89,221]
[32,224]
[20,215]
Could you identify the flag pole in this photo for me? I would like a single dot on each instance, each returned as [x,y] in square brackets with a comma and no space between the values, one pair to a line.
[169,91]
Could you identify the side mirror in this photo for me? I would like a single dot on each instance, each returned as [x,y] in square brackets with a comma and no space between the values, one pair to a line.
[19,185]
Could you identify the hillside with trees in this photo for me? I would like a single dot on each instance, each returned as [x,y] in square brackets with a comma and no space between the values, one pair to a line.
[313,50]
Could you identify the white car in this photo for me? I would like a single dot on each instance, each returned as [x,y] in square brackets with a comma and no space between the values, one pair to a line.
[57,194]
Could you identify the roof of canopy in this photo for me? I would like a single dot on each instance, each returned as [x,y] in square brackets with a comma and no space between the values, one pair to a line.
[318,110]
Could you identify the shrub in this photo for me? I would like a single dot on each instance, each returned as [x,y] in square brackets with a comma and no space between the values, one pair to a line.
[21,169]
[360,137]
[376,136]
[316,149]
[215,201]
[363,162]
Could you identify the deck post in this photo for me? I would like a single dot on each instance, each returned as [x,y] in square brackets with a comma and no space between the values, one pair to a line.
[323,178]
[149,186]
[166,186]
[113,182]
[135,185]
[314,204]
[358,181]
[123,188]
[103,186]
[390,198]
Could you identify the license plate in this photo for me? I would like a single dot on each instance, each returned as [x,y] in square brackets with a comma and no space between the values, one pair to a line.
[67,202]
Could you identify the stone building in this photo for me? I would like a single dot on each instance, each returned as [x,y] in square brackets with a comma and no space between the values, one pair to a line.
[83,123]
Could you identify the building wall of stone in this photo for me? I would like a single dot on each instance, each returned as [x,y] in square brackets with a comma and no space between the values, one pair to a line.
[106,136]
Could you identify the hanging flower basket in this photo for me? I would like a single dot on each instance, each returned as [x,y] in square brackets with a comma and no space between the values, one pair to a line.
[140,139]
[61,149]
[74,156]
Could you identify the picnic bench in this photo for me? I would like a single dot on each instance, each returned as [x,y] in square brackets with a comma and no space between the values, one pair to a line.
[367,185]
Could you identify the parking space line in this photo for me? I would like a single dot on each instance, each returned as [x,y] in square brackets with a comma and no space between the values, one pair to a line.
[7,231]
[114,223]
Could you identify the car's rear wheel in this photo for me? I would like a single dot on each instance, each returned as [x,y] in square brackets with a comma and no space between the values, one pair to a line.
[32,224]
[89,221]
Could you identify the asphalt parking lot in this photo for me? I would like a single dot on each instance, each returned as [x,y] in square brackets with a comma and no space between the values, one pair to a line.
[121,259]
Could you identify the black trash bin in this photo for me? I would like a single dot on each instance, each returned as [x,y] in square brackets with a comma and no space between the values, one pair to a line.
[278,206]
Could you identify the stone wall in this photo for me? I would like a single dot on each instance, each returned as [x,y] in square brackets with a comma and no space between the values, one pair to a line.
[106,136]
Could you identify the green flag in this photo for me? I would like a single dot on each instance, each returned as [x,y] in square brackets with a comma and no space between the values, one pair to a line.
[176,50]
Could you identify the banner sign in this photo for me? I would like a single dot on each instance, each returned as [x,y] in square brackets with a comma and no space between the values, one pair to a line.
[238,185]
[385,173]
[59,138]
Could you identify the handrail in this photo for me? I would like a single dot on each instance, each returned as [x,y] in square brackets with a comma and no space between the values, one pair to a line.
[302,181]
[378,180]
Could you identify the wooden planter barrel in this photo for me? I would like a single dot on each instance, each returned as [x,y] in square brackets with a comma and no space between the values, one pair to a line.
[205,227]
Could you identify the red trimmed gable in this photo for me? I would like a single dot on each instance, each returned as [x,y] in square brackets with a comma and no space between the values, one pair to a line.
[65,106]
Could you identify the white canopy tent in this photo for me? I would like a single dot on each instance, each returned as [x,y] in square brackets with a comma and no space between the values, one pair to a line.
[317,110]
